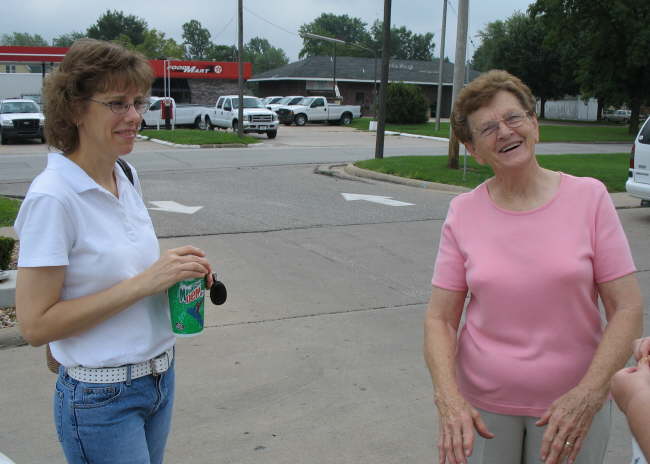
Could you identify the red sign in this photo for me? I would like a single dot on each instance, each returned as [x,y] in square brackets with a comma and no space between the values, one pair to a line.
[177,68]
[200,69]
[32,54]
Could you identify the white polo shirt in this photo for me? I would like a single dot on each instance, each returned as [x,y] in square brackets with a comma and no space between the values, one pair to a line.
[67,219]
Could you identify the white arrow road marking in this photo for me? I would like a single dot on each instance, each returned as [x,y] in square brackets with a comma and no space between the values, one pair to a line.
[375,199]
[173,207]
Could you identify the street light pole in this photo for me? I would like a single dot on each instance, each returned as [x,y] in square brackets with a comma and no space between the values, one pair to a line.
[352,44]
[309,35]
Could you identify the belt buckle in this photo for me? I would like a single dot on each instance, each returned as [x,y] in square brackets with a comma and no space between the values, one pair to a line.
[152,364]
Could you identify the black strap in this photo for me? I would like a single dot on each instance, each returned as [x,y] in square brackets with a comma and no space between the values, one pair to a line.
[126,168]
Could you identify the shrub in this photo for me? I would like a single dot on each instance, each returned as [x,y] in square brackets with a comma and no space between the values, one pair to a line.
[6,248]
[405,104]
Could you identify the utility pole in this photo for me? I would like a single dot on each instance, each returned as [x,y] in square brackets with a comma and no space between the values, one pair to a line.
[240,113]
[459,75]
[385,64]
[441,64]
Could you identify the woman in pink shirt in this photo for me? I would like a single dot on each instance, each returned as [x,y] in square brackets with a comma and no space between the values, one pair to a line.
[531,250]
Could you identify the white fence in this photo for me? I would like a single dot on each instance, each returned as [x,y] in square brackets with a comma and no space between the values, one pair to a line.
[573,109]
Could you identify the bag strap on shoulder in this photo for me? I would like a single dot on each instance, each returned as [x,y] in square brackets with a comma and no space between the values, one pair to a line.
[127,170]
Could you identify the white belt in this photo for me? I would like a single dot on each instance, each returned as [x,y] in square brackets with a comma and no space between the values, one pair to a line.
[154,366]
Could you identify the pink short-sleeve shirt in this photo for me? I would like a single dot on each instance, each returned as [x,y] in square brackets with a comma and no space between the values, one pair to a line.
[532,324]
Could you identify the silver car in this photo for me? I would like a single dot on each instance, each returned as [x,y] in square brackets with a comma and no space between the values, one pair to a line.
[618,116]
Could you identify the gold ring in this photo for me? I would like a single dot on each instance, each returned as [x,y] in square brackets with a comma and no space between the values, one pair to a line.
[568,444]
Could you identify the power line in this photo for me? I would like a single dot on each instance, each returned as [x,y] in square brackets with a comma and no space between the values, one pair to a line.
[224,28]
[451,5]
[272,24]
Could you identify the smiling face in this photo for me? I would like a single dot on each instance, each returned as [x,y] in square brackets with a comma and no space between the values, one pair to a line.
[507,147]
[108,133]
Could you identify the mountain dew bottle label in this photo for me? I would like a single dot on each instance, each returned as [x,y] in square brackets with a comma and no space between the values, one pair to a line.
[186,306]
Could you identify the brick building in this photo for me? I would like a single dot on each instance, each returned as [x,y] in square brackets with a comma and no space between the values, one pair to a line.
[355,79]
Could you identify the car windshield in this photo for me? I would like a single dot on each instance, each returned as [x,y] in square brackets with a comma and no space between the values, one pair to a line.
[295,100]
[19,107]
[307,101]
[249,102]
[275,100]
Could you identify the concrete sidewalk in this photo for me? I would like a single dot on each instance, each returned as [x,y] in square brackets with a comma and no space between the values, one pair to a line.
[294,368]
[11,336]
[315,358]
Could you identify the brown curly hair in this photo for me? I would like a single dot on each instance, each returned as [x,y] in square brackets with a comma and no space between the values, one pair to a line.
[89,67]
[480,92]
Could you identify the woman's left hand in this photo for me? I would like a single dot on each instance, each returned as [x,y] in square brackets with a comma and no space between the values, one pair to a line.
[568,420]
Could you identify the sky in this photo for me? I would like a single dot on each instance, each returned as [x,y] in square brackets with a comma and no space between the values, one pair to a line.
[276,20]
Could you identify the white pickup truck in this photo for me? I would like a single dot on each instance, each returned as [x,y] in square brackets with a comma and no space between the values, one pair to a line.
[318,109]
[257,119]
[20,119]
[183,114]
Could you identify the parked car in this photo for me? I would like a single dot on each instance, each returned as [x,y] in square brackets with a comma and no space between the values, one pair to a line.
[270,100]
[182,114]
[257,119]
[20,118]
[286,101]
[318,109]
[618,116]
[638,180]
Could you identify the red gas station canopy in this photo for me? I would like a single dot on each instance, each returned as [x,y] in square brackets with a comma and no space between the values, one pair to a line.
[32,54]
[177,68]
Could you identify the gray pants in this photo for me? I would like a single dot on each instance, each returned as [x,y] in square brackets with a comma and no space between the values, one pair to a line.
[519,441]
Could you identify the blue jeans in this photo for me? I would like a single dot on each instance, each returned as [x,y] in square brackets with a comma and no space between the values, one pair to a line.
[114,423]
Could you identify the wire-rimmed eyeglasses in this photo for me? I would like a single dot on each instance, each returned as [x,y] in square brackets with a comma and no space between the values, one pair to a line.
[511,120]
[117,107]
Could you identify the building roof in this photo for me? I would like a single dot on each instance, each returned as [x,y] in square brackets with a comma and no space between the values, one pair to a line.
[348,68]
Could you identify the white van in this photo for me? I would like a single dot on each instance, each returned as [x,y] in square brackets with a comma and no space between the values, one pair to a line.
[638,181]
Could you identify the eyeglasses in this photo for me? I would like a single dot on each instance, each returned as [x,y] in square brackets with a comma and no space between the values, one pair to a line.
[511,120]
[141,106]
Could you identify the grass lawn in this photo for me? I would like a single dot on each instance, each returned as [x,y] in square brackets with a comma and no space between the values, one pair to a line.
[549,132]
[197,137]
[611,169]
[8,211]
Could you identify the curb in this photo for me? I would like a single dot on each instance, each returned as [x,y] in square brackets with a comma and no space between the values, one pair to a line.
[8,290]
[353,170]
[206,145]
[621,200]
[10,337]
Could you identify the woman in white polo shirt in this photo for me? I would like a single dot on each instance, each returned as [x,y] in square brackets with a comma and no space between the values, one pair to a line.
[91,279]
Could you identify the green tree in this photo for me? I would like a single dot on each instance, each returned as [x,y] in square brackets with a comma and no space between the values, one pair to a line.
[197,40]
[489,54]
[404,43]
[65,40]
[156,46]
[611,40]
[405,104]
[23,39]
[341,27]
[114,23]
[222,53]
[518,46]
[263,55]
